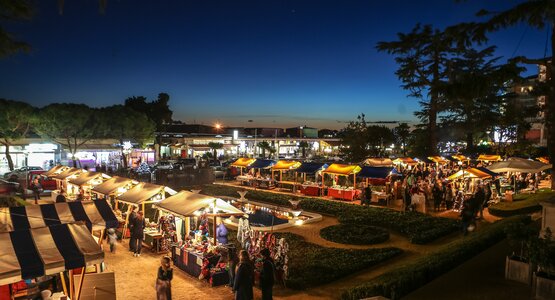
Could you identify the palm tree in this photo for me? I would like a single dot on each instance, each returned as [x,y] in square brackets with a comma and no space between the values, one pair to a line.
[538,14]
[265,146]
[215,147]
[303,145]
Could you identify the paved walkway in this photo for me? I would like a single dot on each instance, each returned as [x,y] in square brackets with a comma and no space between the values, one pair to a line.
[481,277]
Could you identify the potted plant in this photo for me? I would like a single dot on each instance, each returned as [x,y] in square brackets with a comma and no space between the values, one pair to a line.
[542,253]
[518,265]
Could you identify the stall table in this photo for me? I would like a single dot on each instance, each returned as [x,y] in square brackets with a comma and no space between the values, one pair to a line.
[191,262]
[310,190]
[289,185]
[343,194]
[264,183]
[154,241]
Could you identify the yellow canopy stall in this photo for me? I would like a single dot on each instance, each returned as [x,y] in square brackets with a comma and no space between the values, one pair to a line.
[469,173]
[486,157]
[341,170]
[438,159]
[405,161]
[460,157]
[378,162]
[284,165]
[243,162]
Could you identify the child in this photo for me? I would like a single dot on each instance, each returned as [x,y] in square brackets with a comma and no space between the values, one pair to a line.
[112,239]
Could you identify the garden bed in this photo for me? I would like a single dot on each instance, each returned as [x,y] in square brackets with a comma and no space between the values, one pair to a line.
[522,204]
[405,279]
[355,234]
[418,227]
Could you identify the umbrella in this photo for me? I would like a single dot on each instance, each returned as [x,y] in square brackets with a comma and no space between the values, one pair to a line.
[519,165]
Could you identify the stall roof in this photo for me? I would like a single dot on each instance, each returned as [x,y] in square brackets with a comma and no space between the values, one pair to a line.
[375,172]
[185,204]
[340,169]
[96,214]
[55,170]
[489,157]
[85,177]
[405,160]
[141,193]
[286,165]
[66,173]
[543,159]
[469,173]
[31,253]
[111,185]
[460,157]
[519,165]
[262,164]
[311,167]
[243,162]
[438,159]
[378,162]
[487,171]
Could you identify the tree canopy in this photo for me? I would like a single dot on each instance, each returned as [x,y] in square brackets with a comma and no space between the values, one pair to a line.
[15,119]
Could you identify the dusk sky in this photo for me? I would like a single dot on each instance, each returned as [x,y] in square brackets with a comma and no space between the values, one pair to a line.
[276,62]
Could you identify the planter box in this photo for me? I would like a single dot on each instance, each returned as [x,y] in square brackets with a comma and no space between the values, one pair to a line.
[518,271]
[542,287]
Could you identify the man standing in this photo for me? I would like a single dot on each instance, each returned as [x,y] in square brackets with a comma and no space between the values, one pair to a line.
[130,225]
[267,275]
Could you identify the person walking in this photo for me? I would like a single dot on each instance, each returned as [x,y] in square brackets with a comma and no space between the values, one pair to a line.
[36,188]
[130,224]
[437,195]
[112,239]
[267,275]
[244,277]
[138,233]
[164,279]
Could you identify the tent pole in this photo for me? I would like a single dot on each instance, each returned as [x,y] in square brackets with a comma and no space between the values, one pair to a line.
[215,225]
[71,283]
[64,287]
[81,279]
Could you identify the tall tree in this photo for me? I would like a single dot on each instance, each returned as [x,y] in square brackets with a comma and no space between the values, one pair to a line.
[538,14]
[158,110]
[265,146]
[402,133]
[423,58]
[354,138]
[303,145]
[215,146]
[15,119]
[476,90]
[12,11]
[126,125]
[379,137]
[68,124]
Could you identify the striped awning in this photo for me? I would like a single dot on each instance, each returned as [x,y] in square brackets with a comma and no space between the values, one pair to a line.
[286,165]
[486,157]
[340,169]
[31,253]
[96,214]
[243,162]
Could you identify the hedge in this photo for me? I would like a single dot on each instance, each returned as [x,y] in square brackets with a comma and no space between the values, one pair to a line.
[355,234]
[407,278]
[522,204]
[11,201]
[419,228]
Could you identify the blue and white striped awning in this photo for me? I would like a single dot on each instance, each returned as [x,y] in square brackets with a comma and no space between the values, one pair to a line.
[27,254]
[96,215]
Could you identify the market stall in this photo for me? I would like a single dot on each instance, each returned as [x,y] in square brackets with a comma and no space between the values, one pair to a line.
[55,170]
[404,162]
[258,177]
[516,165]
[310,188]
[197,254]
[63,177]
[285,166]
[112,188]
[377,176]
[242,163]
[440,160]
[488,157]
[346,191]
[378,162]
[468,179]
[85,182]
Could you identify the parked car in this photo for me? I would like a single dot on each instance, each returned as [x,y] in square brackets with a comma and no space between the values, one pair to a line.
[219,171]
[164,165]
[46,183]
[8,187]
[186,163]
[21,172]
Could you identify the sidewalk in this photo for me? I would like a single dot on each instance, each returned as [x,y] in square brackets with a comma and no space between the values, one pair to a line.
[481,277]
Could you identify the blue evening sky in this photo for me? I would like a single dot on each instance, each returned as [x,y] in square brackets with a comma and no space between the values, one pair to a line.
[276,62]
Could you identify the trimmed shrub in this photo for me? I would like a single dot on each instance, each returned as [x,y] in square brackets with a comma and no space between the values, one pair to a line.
[355,234]
[419,228]
[522,204]
[407,278]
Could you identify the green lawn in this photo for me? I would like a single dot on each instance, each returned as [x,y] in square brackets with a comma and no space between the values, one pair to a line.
[521,204]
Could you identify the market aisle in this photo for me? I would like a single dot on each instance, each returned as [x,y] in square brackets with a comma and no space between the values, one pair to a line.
[135,277]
